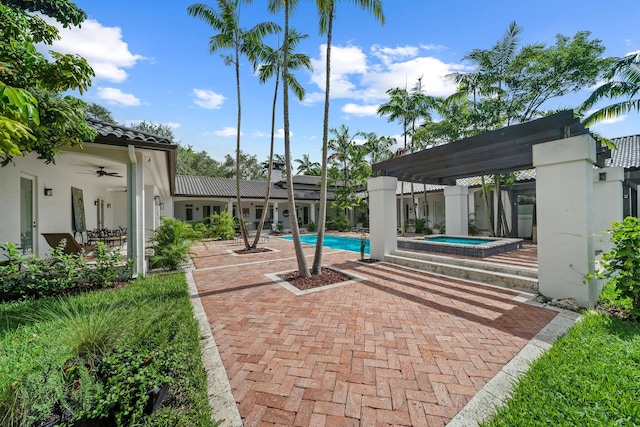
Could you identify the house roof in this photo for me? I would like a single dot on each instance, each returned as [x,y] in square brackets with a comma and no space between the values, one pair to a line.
[108,132]
[627,154]
[121,136]
[207,186]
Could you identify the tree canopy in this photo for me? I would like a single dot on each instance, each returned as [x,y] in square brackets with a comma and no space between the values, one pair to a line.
[34,115]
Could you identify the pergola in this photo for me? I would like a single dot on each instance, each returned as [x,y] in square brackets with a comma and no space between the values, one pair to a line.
[504,150]
[573,198]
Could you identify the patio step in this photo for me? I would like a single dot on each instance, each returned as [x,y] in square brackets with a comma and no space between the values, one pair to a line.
[525,279]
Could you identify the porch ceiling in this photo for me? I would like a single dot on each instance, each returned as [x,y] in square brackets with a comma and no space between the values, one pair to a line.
[503,150]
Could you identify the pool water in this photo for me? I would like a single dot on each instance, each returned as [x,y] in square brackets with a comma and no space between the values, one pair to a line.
[334,242]
[459,240]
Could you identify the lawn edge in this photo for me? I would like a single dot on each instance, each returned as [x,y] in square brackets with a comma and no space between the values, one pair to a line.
[221,401]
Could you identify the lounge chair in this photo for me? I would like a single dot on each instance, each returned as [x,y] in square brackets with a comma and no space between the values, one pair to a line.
[71,245]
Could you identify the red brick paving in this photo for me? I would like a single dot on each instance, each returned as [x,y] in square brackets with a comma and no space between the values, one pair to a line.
[400,348]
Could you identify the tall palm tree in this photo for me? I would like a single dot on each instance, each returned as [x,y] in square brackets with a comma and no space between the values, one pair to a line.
[271,61]
[287,6]
[241,42]
[326,11]
[623,84]
[305,165]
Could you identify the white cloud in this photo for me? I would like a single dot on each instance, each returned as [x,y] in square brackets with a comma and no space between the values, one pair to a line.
[258,134]
[227,131]
[613,120]
[280,134]
[115,96]
[101,46]
[208,99]
[172,125]
[360,110]
[366,78]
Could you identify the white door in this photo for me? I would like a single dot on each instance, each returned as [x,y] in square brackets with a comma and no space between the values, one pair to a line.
[28,232]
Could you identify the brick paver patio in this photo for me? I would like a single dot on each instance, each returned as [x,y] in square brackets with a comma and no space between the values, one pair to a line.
[400,348]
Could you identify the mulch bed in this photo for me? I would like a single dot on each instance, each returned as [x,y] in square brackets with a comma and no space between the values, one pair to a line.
[619,313]
[251,251]
[369,260]
[328,277]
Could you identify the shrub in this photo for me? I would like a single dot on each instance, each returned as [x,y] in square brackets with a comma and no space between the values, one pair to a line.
[622,263]
[339,223]
[25,277]
[223,225]
[421,224]
[312,226]
[171,243]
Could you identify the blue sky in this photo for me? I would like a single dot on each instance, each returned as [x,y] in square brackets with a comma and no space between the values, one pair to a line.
[152,63]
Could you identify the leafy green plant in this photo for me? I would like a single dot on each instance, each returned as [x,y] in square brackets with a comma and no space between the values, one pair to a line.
[223,225]
[280,226]
[171,243]
[621,265]
[339,223]
[363,245]
[441,227]
[109,267]
[127,375]
[312,226]
[421,224]
[473,229]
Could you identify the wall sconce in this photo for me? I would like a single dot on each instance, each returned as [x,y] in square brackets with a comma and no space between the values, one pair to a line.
[161,206]
[95,202]
[156,200]
[48,191]
[108,205]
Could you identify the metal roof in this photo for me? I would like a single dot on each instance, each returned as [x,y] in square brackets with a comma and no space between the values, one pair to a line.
[207,186]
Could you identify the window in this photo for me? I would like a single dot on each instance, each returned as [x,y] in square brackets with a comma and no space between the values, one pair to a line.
[189,213]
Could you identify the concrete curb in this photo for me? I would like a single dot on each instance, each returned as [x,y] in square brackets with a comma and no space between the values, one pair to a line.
[484,404]
[221,400]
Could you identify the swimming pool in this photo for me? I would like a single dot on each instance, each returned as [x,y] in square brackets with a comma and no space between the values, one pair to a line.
[334,242]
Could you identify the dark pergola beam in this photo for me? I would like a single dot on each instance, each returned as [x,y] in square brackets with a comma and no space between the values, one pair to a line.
[499,151]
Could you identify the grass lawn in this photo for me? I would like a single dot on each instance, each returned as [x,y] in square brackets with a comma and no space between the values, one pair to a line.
[94,356]
[590,377]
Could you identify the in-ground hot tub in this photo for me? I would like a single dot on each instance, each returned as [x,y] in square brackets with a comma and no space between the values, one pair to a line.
[473,246]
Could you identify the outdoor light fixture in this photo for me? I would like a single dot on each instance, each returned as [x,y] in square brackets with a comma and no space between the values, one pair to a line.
[108,205]
[156,199]
[161,206]
[96,201]
[48,191]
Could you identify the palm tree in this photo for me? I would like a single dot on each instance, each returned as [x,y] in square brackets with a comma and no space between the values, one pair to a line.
[242,42]
[275,6]
[305,165]
[623,83]
[271,66]
[378,147]
[326,10]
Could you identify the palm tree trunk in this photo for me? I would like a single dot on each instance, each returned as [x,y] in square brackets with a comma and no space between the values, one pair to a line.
[487,205]
[402,207]
[243,229]
[322,215]
[268,191]
[303,270]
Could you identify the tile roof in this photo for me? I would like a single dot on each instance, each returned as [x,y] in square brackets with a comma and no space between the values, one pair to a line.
[206,186]
[117,132]
[627,154]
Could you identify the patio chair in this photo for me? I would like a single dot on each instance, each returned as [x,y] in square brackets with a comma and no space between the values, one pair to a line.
[357,228]
[71,245]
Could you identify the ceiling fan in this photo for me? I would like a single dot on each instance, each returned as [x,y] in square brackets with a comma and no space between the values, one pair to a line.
[101,172]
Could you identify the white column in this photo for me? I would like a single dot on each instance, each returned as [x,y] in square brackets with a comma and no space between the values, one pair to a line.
[136,213]
[456,210]
[312,212]
[564,198]
[607,204]
[275,213]
[230,206]
[382,216]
